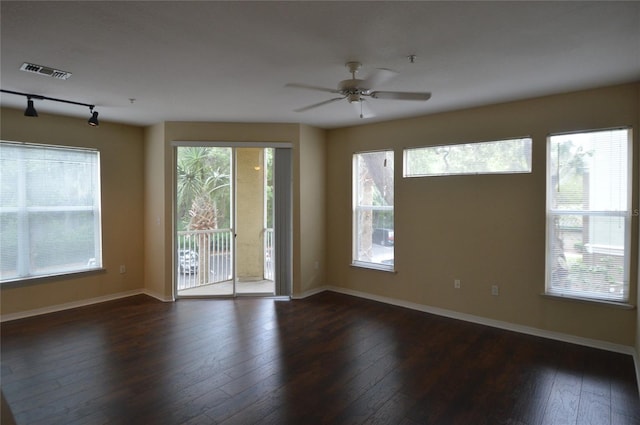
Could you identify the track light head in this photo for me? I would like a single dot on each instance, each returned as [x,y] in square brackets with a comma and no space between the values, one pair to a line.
[93,121]
[31,110]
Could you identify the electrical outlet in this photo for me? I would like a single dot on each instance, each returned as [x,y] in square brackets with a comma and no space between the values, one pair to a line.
[495,290]
[456,283]
[123,269]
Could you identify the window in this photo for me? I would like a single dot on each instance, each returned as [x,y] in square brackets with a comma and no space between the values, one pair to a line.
[49,210]
[588,214]
[373,226]
[499,157]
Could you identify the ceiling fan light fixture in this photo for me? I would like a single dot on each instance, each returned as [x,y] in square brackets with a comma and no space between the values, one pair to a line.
[354,97]
[31,110]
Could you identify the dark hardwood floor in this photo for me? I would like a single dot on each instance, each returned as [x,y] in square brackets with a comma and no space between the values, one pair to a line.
[328,359]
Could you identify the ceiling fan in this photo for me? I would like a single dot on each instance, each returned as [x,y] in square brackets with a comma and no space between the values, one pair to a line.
[356,90]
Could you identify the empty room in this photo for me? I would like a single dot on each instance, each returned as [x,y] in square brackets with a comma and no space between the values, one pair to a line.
[319,212]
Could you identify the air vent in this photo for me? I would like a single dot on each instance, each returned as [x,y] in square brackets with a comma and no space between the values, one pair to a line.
[45,70]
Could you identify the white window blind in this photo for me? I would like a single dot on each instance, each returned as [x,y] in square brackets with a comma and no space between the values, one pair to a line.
[588,214]
[373,222]
[495,157]
[49,210]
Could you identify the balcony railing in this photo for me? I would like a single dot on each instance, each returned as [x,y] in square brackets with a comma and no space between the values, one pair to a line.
[211,250]
[268,254]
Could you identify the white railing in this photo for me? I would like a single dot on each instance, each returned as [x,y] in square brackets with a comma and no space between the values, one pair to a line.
[200,250]
[268,254]
[211,250]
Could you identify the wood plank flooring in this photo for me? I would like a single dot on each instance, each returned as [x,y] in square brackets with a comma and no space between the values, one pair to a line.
[328,359]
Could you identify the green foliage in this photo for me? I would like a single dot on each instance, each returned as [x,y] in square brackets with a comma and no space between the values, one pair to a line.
[605,271]
[471,158]
[268,153]
[204,172]
[383,219]
[569,167]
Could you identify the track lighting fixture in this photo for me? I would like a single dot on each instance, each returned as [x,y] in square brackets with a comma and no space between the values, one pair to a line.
[31,110]
[93,121]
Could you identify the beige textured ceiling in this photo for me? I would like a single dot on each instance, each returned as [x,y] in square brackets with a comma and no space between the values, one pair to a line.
[230,60]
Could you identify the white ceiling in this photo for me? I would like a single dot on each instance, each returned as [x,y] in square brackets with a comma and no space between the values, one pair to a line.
[229,61]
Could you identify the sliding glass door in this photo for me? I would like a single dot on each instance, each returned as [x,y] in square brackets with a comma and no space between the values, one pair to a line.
[226,242]
[254,213]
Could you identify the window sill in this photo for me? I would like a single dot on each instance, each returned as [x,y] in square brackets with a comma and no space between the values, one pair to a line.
[34,280]
[371,266]
[614,304]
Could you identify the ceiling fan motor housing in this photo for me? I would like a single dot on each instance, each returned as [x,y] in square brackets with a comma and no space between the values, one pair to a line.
[353,89]
[351,86]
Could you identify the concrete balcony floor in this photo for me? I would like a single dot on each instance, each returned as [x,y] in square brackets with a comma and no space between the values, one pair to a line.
[243,287]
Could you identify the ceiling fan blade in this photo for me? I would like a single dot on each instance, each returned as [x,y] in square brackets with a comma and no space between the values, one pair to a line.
[363,109]
[401,95]
[310,87]
[377,77]
[315,105]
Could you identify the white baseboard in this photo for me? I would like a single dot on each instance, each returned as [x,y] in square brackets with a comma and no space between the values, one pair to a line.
[310,292]
[603,345]
[636,361]
[558,336]
[158,296]
[81,303]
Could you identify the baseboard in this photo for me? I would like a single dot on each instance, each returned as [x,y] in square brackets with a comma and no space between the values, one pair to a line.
[558,336]
[158,296]
[311,292]
[636,361]
[603,345]
[66,306]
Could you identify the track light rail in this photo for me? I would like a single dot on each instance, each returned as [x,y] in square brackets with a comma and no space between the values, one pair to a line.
[39,97]
[31,110]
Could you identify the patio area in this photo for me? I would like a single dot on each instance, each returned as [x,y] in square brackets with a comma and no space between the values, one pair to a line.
[254,287]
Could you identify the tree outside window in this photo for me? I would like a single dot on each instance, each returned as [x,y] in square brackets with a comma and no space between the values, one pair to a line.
[588,183]
[373,221]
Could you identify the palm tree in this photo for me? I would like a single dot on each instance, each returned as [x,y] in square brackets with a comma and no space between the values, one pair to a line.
[203,182]
[202,186]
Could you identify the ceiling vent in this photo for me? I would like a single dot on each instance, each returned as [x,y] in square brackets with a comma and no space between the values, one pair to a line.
[45,70]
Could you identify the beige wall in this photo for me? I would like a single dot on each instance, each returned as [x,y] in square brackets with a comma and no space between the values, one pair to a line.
[121,155]
[250,214]
[483,230]
[313,170]
[137,190]
[157,270]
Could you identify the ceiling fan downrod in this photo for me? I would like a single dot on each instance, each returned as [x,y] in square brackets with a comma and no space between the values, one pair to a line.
[353,68]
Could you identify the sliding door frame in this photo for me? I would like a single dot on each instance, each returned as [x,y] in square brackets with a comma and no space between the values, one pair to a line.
[283,208]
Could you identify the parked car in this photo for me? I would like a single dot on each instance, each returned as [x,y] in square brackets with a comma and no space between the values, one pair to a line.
[383,237]
[187,261]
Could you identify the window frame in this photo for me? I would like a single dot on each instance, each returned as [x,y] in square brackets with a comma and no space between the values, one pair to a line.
[550,214]
[25,273]
[406,152]
[356,208]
